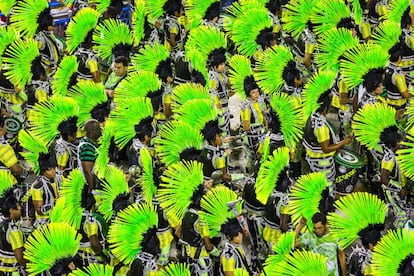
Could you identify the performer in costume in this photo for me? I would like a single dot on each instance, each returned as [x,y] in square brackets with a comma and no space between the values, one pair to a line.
[66,75]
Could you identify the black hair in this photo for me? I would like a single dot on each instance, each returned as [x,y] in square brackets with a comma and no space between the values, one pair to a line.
[190,154]
[117,6]
[101,111]
[164,70]
[231,228]
[212,11]
[37,69]
[326,204]
[61,267]
[371,234]
[319,217]
[120,202]
[290,73]
[68,127]
[324,100]
[274,123]
[197,77]
[373,79]
[150,242]
[46,162]
[390,136]
[8,201]
[87,42]
[144,127]
[87,200]
[216,57]
[249,84]
[172,6]
[210,130]
[274,5]
[156,99]
[44,20]
[395,52]
[121,59]
[346,23]
[406,19]
[265,38]
[73,80]
[406,267]
[196,197]
[122,50]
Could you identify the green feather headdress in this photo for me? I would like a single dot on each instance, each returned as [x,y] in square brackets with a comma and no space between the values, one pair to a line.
[174,138]
[356,11]
[247,27]
[100,5]
[314,88]
[114,184]
[283,247]
[359,60]
[109,34]
[387,34]
[128,114]
[7,37]
[391,251]
[215,211]
[405,156]
[188,91]
[138,21]
[176,269]
[239,69]
[71,190]
[78,28]
[34,146]
[93,269]
[178,183]
[6,5]
[355,212]
[46,116]
[289,113]
[397,9]
[94,92]
[296,15]
[154,9]
[136,84]
[7,181]
[195,11]
[269,172]
[270,66]
[238,9]
[134,221]
[102,160]
[18,60]
[305,196]
[332,44]
[60,82]
[370,121]
[197,62]
[327,14]
[196,113]
[59,213]
[49,244]
[149,57]
[25,16]
[302,263]
[149,189]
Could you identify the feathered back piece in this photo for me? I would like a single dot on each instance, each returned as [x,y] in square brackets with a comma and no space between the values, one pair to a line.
[78,28]
[7,37]
[136,84]
[305,196]
[269,171]
[355,212]
[6,5]
[128,114]
[174,138]
[197,113]
[283,247]
[18,60]
[214,210]
[270,66]
[314,88]
[239,70]
[387,34]
[185,92]
[195,10]
[94,92]
[247,27]
[396,10]
[94,269]
[405,156]
[289,113]
[332,44]
[110,34]
[34,147]
[149,57]
[7,181]
[105,143]
[46,117]
[359,60]
[149,189]
[100,5]
[297,15]
[327,14]
[154,9]
[207,40]
[134,221]
[50,244]
[302,263]
[176,269]
[391,251]
[26,14]
[114,185]
[178,183]
[71,190]
[370,121]
[66,71]
[138,21]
